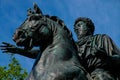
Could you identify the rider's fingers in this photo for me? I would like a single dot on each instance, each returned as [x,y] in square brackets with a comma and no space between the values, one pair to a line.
[7,44]
[6,47]
[6,52]
[3,46]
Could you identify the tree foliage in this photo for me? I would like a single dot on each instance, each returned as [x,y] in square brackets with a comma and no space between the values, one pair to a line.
[13,71]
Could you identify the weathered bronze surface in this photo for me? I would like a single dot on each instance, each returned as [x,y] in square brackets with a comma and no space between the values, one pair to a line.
[92,57]
[57,58]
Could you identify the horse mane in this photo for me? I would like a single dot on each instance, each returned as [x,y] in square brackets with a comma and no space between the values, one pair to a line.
[61,23]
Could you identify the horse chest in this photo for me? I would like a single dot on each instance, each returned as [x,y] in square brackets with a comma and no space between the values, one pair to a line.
[54,55]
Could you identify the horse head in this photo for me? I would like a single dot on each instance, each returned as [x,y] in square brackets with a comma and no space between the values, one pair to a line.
[32,31]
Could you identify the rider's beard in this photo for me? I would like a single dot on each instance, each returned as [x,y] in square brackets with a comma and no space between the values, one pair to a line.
[82,34]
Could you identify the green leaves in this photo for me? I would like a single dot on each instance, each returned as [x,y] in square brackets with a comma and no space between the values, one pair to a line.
[13,71]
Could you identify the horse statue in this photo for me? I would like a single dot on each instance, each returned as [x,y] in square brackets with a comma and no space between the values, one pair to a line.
[57,58]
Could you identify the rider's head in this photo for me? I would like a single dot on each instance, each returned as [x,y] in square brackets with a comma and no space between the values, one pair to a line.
[83,27]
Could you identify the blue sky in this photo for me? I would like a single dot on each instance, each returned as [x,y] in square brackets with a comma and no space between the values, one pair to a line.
[104,13]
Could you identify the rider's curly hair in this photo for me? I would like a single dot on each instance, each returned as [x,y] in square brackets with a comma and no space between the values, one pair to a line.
[88,21]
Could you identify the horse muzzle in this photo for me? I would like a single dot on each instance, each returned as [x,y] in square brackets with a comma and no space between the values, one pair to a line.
[19,37]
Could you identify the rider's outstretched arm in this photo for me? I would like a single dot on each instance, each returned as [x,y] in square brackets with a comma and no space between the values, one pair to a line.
[9,48]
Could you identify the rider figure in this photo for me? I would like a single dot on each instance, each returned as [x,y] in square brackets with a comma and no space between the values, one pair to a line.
[99,55]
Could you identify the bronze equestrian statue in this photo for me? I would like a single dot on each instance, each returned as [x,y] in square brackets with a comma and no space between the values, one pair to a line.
[92,57]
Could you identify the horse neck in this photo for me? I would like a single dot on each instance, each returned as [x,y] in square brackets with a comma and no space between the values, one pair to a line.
[45,44]
[58,27]
[60,33]
[61,37]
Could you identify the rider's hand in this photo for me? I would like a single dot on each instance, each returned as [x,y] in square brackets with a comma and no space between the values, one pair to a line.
[8,48]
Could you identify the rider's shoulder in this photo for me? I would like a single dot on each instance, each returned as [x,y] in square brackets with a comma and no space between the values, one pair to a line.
[101,36]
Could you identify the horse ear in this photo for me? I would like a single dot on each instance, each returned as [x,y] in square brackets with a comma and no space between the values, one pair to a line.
[29,12]
[37,9]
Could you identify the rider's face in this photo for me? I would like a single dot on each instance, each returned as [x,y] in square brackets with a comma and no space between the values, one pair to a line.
[81,28]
